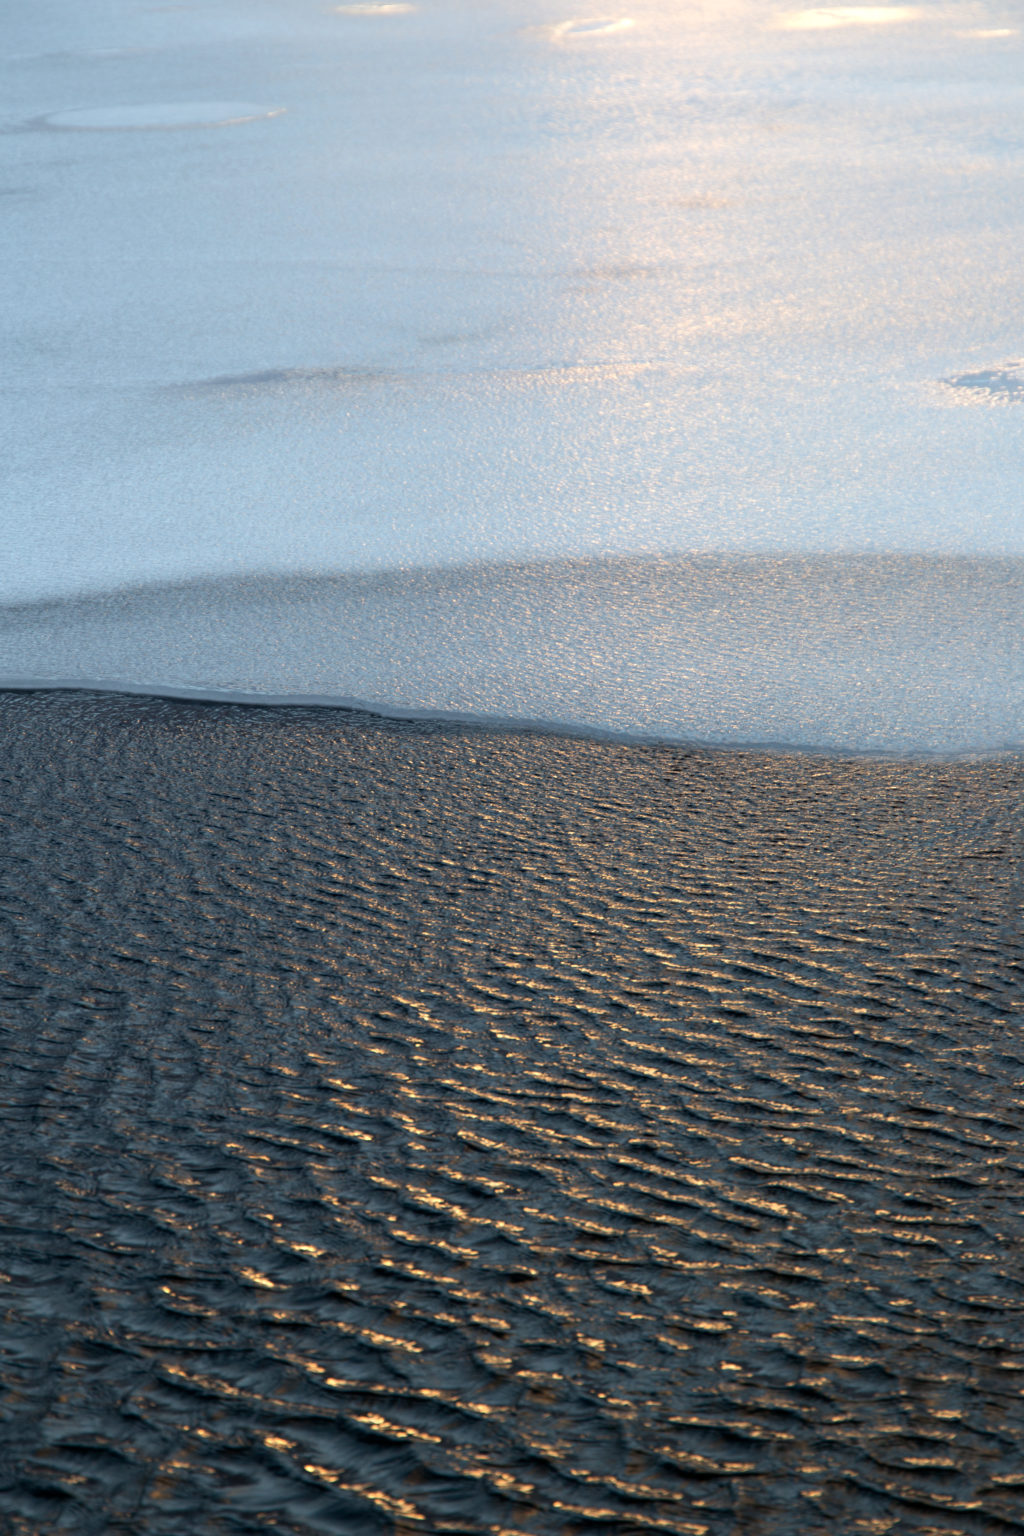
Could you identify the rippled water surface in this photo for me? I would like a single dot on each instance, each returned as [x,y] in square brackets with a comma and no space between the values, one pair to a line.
[421,1128]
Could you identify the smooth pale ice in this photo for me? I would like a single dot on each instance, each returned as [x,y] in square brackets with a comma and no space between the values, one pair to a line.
[690,334]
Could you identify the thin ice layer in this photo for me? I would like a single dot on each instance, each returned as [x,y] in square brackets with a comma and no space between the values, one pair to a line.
[380,287]
[876,653]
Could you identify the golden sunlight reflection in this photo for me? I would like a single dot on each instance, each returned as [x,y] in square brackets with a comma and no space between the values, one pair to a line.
[826,17]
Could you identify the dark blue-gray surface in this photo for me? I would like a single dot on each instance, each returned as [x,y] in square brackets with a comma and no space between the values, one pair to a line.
[416,1128]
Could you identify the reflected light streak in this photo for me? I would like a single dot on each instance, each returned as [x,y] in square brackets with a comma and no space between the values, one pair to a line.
[374,10]
[828,17]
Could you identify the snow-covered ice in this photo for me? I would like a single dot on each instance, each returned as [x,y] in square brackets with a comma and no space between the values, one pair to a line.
[604,308]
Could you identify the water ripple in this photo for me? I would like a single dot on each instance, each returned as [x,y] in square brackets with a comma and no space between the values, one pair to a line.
[427,1128]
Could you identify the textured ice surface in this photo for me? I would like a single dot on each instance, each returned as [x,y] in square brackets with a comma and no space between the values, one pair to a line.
[405,287]
[878,653]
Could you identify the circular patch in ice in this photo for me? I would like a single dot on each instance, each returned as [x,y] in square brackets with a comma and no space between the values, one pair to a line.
[598,26]
[158,114]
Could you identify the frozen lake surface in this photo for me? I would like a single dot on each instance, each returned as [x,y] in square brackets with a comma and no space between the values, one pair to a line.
[690,336]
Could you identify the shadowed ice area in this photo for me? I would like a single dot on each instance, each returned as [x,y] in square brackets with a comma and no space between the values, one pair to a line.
[869,653]
[293,288]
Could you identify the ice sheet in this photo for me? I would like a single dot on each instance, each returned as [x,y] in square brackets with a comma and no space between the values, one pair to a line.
[294,288]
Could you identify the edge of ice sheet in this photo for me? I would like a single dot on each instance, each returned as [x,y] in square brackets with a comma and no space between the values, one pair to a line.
[917,655]
[508,723]
[359,706]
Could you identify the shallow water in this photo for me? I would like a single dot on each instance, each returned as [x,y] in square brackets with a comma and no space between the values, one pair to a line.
[386,288]
[411,1127]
